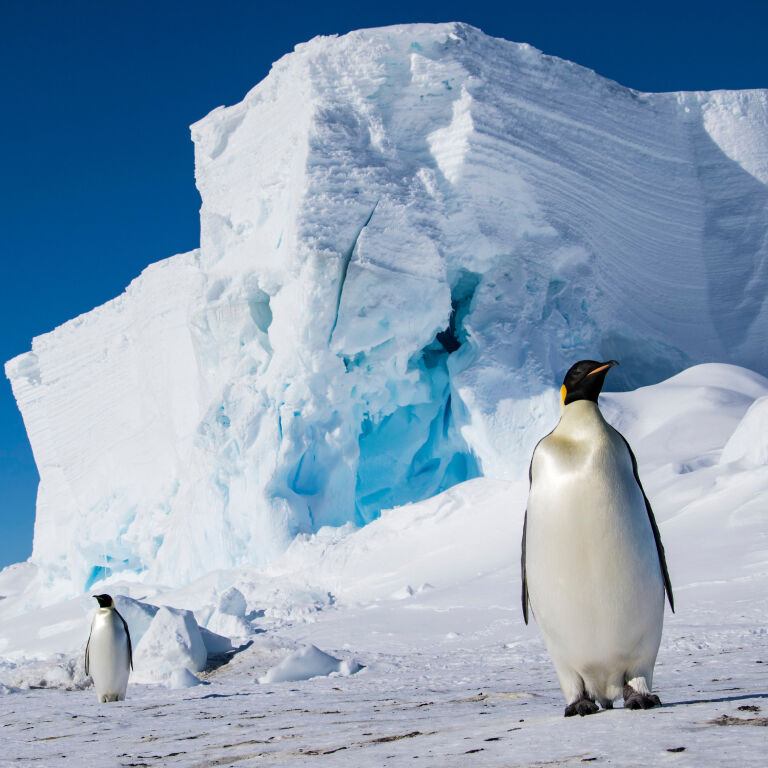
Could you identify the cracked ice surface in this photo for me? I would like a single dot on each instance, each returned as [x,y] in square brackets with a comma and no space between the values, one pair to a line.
[407,235]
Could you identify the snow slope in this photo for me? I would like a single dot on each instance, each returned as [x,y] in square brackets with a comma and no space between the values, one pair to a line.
[426,599]
[407,235]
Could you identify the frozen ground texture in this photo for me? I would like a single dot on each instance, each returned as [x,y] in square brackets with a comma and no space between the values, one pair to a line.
[426,600]
[407,235]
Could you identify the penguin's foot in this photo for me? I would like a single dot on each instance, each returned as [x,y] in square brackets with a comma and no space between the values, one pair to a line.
[108,697]
[581,707]
[636,700]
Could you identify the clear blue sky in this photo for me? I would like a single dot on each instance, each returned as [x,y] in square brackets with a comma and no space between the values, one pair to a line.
[97,176]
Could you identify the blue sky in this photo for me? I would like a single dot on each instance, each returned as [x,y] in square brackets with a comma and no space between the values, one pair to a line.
[97,175]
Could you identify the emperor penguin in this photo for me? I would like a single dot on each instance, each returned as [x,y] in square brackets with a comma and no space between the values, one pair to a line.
[108,655]
[593,565]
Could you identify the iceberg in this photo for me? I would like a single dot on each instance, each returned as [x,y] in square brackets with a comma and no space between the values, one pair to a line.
[407,235]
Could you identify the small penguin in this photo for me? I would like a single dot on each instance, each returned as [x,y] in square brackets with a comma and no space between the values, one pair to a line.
[108,655]
[593,566]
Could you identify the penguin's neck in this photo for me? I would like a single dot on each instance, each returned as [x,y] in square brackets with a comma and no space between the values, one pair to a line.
[104,614]
[580,420]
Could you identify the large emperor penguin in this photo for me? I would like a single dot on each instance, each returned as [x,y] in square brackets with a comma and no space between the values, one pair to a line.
[108,655]
[593,565]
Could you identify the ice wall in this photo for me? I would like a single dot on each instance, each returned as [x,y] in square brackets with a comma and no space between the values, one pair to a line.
[407,235]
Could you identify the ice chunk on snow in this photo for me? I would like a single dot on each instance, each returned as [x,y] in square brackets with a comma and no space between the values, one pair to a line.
[215,644]
[232,602]
[306,663]
[227,625]
[182,678]
[171,642]
[137,614]
[229,617]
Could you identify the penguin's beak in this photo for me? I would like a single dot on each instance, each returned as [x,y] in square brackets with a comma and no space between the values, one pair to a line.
[604,367]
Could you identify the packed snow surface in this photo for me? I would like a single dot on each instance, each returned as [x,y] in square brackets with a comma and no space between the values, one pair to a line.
[407,236]
[426,599]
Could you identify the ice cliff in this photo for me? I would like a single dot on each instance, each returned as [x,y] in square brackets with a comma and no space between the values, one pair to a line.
[407,235]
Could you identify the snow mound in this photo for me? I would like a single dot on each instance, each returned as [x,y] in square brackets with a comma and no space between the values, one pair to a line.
[687,419]
[306,663]
[749,443]
[447,539]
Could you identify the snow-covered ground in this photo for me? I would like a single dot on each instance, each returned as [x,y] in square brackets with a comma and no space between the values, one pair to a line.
[424,604]
[450,678]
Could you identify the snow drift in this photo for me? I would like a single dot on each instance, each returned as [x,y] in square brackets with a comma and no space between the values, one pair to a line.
[407,235]
[306,663]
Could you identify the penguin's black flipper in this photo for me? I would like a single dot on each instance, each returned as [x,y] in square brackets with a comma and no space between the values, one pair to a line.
[87,657]
[654,528]
[524,578]
[522,571]
[128,636]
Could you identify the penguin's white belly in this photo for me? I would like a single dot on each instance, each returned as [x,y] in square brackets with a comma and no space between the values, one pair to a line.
[593,572]
[109,661]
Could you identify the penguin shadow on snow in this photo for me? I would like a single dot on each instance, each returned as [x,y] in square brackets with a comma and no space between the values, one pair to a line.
[718,700]
[222,695]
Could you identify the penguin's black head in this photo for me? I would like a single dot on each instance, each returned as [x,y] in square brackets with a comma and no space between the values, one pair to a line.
[105,601]
[584,381]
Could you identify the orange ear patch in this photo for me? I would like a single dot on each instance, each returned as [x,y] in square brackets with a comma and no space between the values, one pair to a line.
[563,393]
